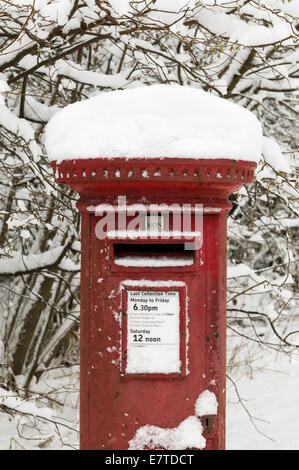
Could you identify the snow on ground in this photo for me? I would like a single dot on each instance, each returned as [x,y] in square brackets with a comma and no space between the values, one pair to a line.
[49,420]
[270,396]
[154,121]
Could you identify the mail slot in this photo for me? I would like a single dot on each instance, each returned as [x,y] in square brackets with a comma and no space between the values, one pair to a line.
[153,255]
[153,299]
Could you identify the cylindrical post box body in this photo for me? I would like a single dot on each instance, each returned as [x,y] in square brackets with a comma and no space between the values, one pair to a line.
[153,301]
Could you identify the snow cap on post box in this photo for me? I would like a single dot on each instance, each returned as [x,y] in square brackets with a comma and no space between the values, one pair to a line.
[157,121]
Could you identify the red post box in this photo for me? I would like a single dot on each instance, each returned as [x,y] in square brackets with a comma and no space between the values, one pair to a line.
[153,299]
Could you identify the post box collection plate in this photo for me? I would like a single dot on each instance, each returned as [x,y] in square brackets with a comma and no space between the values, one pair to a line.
[154,331]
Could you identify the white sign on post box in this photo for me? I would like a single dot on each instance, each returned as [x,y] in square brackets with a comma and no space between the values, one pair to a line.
[153,338]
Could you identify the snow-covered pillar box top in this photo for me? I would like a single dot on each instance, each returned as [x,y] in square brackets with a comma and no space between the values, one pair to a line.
[154,167]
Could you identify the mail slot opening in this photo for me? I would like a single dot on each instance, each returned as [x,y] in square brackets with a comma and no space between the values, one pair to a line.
[153,254]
